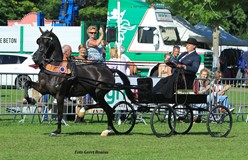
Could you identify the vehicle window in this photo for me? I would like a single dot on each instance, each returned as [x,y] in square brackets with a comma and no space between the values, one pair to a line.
[169,35]
[22,59]
[9,59]
[145,34]
[1,59]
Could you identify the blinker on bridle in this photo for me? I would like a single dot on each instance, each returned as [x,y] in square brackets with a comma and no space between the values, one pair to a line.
[50,38]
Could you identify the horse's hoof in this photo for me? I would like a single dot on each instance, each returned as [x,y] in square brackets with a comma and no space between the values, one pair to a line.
[31,101]
[105,132]
[53,134]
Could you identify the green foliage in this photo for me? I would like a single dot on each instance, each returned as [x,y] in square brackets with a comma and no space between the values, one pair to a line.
[11,9]
[226,13]
[92,14]
[95,10]
[229,14]
[49,8]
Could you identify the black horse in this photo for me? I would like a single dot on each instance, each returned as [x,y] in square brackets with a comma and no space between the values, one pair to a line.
[93,78]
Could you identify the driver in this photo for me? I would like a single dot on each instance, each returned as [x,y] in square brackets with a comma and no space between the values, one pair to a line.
[189,62]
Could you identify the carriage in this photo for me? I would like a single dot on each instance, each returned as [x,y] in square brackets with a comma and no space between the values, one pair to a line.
[168,116]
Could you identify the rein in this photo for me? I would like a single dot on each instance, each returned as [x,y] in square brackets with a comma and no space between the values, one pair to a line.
[180,71]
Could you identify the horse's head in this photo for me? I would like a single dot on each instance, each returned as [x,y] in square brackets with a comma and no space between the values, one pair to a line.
[49,48]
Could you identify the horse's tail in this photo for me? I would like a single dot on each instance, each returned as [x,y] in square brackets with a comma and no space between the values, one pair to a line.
[126,82]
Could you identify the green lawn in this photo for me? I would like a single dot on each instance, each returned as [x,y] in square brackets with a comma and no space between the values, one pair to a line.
[83,141]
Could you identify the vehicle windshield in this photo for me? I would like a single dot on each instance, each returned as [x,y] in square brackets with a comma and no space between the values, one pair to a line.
[169,35]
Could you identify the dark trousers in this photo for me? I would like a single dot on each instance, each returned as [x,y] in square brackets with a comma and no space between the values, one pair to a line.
[168,85]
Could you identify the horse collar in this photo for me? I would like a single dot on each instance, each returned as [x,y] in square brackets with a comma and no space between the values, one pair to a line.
[61,68]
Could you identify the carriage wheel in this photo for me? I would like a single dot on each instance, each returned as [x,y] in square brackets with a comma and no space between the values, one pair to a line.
[184,118]
[219,121]
[163,121]
[124,118]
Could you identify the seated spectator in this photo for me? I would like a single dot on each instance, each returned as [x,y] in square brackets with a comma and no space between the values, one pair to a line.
[174,55]
[163,69]
[82,56]
[220,90]
[202,86]
[80,101]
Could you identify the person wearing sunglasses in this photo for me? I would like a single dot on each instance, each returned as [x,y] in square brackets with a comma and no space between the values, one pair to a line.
[93,45]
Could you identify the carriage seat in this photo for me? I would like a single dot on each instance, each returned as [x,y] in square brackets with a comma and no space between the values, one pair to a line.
[145,86]
[145,94]
[180,98]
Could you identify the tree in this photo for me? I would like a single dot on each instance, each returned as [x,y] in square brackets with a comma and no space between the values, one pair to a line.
[211,13]
[90,10]
[11,9]
[49,8]
[94,10]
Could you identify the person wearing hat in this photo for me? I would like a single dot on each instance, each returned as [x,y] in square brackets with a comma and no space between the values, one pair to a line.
[190,60]
[189,63]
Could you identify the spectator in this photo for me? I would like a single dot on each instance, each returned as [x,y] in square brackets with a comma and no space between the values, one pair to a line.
[82,56]
[80,102]
[127,66]
[220,90]
[67,57]
[202,86]
[93,45]
[175,53]
[113,61]
[173,58]
[163,69]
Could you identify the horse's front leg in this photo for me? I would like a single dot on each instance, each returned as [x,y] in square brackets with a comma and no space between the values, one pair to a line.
[28,85]
[109,111]
[60,106]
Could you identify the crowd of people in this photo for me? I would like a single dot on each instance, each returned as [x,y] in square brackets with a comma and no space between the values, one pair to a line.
[93,51]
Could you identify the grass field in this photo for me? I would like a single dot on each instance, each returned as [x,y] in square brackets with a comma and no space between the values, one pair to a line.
[83,141]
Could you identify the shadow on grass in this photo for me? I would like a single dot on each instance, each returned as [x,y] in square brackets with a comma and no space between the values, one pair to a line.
[98,133]
[205,133]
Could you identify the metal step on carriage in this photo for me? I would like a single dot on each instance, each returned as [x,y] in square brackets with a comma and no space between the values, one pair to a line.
[170,116]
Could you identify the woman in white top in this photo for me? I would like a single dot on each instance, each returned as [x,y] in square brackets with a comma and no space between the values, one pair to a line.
[126,66]
[220,90]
